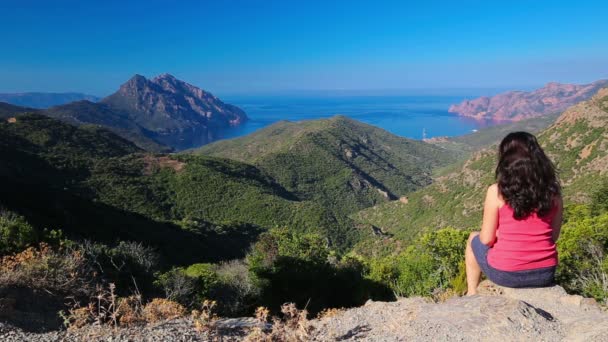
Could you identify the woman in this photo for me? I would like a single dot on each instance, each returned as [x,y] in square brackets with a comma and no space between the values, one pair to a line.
[521,219]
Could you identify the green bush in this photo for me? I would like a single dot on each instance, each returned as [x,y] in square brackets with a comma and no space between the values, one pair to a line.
[15,233]
[236,293]
[129,265]
[433,262]
[583,255]
[299,268]
[599,199]
[188,286]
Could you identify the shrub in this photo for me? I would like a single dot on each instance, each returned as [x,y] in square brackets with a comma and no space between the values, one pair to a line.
[178,286]
[296,267]
[204,319]
[433,264]
[599,199]
[15,233]
[583,253]
[122,264]
[133,255]
[293,326]
[236,292]
[58,271]
[129,311]
[188,286]
[160,309]
[78,317]
[417,274]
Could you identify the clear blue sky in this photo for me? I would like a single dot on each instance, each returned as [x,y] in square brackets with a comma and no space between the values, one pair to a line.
[229,46]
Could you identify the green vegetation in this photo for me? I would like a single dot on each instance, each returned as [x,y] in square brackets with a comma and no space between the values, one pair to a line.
[280,221]
[583,247]
[339,163]
[89,113]
[15,233]
[487,136]
[300,268]
[8,111]
[434,263]
[577,145]
[103,187]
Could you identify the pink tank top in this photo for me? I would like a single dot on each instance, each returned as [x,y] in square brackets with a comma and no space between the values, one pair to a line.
[523,244]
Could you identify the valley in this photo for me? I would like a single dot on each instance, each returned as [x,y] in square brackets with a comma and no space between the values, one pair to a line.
[326,213]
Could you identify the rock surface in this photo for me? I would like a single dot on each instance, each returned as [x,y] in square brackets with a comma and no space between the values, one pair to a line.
[519,105]
[497,313]
[544,314]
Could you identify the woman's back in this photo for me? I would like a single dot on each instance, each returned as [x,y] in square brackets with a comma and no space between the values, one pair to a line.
[523,244]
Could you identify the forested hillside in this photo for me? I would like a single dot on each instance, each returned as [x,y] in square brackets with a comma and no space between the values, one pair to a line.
[343,164]
[94,184]
[269,218]
[8,110]
[577,142]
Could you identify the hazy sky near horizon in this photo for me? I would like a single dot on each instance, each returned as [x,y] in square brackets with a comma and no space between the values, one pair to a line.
[268,46]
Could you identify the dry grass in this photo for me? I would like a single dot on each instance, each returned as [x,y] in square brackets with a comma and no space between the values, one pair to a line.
[441,296]
[294,326]
[129,311]
[160,309]
[204,319]
[329,312]
[106,309]
[55,271]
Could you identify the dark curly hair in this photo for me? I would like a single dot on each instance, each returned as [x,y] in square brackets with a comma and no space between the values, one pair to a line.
[526,177]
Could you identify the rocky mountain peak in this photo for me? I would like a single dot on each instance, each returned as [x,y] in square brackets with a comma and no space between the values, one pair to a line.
[553,98]
[165,76]
[176,113]
[137,79]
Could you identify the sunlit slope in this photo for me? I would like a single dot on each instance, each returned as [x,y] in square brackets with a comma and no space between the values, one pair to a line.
[341,163]
[96,185]
[577,142]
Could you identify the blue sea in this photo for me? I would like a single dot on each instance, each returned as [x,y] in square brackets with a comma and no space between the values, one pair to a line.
[406,116]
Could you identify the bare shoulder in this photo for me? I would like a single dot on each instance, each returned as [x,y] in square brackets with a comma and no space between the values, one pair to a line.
[493,195]
[493,189]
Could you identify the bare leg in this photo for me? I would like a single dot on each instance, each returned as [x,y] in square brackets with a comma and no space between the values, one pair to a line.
[473,270]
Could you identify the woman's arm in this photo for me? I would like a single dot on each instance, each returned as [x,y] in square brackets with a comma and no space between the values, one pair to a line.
[556,223]
[487,236]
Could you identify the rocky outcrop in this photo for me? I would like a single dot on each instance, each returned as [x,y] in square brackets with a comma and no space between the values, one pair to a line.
[497,313]
[518,105]
[174,112]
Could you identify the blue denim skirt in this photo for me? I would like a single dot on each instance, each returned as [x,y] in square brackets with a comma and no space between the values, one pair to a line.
[539,277]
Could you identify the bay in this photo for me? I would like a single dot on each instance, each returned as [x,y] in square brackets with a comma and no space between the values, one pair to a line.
[407,116]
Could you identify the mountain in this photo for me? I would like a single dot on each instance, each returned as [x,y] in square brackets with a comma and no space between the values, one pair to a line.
[94,184]
[158,115]
[341,163]
[44,100]
[577,142]
[8,110]
[484,137]
[89,113]
[517,105]
[173,112]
